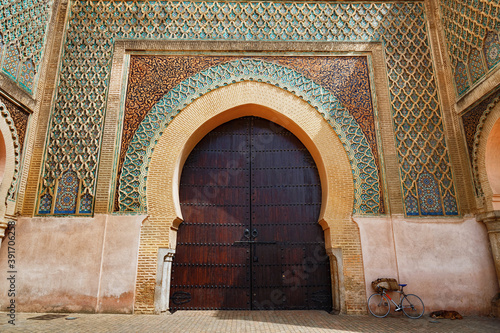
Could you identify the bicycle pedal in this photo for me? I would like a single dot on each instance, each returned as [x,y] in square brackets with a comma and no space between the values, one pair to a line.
[397,309]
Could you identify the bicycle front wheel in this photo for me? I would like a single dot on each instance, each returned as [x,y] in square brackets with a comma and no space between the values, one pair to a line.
[379,305]
[413,307]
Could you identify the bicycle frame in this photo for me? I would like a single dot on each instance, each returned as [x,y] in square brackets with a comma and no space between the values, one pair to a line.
[413,306]
[398,306]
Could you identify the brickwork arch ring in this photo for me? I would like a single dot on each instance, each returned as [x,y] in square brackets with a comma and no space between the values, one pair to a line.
[486,155]
[10,161]
[135,172]
[238,100]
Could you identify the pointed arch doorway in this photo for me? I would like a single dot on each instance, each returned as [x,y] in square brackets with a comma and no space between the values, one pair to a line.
[250,196]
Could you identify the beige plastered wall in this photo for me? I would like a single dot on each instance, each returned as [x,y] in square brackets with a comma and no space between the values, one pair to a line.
[447,262]
[74,264]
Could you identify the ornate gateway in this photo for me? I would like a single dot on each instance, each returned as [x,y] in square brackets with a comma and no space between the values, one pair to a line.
[250,195]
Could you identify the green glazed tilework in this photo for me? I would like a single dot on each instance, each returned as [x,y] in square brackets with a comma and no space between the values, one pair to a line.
[132,192]
[23,26]
[76,124]
[470,26]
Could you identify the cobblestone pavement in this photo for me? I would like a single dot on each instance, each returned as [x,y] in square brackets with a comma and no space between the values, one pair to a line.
[243,321]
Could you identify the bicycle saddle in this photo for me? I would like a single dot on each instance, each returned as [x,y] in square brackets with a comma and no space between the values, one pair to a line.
[402,285]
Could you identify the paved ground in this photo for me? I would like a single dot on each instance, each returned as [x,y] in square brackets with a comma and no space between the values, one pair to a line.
[243,321]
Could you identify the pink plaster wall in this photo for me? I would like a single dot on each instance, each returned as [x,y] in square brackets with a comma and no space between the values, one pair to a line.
[447,262]
[74,264]
[119,267]
[377,245]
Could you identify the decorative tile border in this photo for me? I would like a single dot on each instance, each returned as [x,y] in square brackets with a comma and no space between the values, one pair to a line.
[132,192]
[346,76]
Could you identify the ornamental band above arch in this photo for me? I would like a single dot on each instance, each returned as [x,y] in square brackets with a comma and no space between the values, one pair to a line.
[132,188]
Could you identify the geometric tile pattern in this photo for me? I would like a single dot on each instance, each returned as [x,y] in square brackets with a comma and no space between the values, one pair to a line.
[23,26]
[27,75]
[132,192]
[429,197]
[491,49]
[78,113]
[151,77]
[476,65]
[11,61]
[67,191]
[466,26]
[45,206]
[461,78]
[85,204]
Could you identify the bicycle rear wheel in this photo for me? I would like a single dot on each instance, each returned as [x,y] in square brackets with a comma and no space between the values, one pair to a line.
[379,305]
[413,307]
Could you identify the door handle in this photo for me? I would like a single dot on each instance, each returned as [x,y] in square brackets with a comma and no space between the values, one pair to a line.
[255,233]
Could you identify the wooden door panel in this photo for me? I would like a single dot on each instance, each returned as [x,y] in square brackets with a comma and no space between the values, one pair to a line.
[286,200]
[209,272]
[281,193]
[220,158]
[290,176]
[250,197]
[280,214]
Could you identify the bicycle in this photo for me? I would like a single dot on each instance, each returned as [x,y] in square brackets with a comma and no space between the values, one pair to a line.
[411,305]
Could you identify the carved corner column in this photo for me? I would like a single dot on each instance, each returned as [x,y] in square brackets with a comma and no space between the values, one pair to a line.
[337,275]
[163,277]
[3,226]
[492,221]
[5,222]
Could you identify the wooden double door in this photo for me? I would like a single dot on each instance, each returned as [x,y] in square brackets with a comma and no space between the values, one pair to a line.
[250,196]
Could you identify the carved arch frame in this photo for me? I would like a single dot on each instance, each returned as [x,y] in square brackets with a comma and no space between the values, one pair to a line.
[8,191]
[132,190]
[482,168]
[250,98]
[158,233]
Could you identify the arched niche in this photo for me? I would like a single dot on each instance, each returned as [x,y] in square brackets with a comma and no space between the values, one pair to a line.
[247,98]
[9,159]
[492,163]
[488,159]
[3,158]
